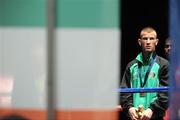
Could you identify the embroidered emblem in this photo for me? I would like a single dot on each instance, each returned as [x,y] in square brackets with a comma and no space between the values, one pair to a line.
[152,75]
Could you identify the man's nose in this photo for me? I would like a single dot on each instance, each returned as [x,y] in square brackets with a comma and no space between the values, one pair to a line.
[148,40]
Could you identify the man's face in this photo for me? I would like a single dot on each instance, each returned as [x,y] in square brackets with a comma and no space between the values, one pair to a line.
[148,41]
[167,47]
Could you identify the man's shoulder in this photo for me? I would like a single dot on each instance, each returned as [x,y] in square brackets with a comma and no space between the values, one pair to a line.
[132,62]
[162,60]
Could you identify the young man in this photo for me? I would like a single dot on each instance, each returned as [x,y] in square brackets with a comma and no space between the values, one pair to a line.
[147,70]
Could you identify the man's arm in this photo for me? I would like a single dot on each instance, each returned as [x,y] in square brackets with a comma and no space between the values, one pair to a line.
[161,103]
[126,98]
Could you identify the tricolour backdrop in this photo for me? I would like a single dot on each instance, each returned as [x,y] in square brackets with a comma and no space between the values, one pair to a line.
[87,58]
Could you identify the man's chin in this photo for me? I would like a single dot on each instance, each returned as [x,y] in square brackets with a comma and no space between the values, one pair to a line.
[148,51]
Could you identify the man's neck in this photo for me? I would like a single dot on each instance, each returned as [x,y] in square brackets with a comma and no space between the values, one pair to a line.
[146,56]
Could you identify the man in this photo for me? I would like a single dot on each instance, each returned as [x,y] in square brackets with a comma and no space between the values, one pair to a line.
[167,48]
[147,70]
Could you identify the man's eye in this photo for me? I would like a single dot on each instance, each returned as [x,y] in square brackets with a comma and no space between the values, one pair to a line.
[144,38]
[151,38]
[167,46]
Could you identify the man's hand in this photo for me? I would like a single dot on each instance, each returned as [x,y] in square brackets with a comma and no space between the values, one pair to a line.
[147,114]
[133,113]
[119,108]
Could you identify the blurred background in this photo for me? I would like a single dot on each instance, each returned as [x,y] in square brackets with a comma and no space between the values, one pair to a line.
[60,59]
[63,59]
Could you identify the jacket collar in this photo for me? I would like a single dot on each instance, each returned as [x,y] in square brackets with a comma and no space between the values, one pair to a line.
[140,58]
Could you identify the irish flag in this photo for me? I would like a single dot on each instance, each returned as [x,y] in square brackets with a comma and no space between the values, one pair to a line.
[86,59]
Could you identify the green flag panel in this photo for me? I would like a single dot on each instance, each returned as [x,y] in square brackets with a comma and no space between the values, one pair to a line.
[69,13]
[22,12]
[88,13]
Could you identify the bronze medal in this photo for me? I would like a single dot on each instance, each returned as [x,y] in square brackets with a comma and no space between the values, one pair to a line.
[142,94]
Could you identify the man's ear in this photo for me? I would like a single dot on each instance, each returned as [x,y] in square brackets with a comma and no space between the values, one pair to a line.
[157,40]
[139,42]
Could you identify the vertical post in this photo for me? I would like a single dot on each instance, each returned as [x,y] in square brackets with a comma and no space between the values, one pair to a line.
[51,48]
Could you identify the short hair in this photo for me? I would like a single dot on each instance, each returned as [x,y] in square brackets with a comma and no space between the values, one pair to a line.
[168,40]
[147,29]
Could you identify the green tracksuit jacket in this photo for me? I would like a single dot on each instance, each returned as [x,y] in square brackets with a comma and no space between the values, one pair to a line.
[158,76]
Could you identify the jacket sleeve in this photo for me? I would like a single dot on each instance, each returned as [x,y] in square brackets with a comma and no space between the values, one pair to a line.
[161,103]
[126,99]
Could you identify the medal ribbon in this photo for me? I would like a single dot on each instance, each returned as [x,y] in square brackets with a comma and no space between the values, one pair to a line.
[147,73]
